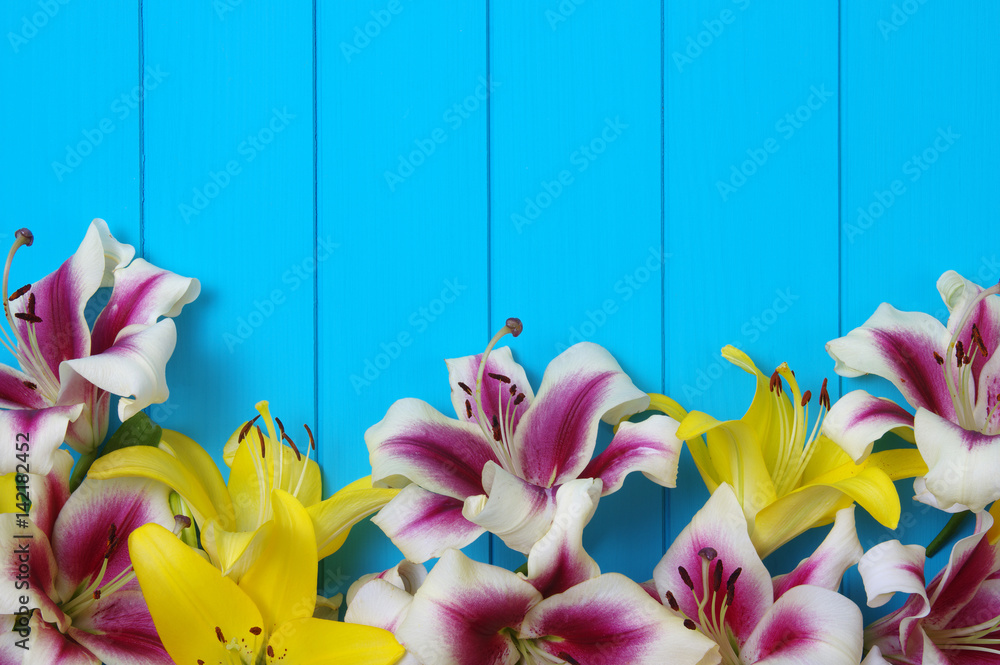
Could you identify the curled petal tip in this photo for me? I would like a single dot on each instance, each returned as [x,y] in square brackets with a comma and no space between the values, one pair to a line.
[27,236]
[515,326]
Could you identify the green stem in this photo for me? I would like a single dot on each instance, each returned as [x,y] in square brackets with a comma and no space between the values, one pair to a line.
[81,469]
[947,533]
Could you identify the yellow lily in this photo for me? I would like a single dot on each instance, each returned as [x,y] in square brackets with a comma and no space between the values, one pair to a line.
[203,616]
[787,479]
[234,519]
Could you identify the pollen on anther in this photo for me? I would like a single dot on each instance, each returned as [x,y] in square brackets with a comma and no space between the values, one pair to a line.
[519,399]
[717,576]
[690,625]
[685,577]
[468,408]
[775,383]
[824,396]
[97,594]
[312,441]
[977,339]
[938,359]
[513,389]
[499,377]
[959,353]
[270,651]
[281,428]
[256,630]
[219,635]
[806,396]
[20,292]
[672,602]
[496,428]
[295,449]
[467,389]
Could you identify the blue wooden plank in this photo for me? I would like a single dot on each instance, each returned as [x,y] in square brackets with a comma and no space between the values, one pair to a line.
[751,203]
[919,142]
[576,216]
[228,199]
[71,150]
[402,175]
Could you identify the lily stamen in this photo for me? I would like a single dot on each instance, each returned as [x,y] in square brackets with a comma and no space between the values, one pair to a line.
[960,400]
[711,618]
[513,327]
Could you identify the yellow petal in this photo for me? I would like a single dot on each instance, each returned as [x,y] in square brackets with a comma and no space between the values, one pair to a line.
[694,443]
[156,464]
[334,517]
[899,463]
[204,468]
[250,483]
[233,552]
[668,406]
[191,603]
[320,642]
[282,581]
[737,459]
[993,535]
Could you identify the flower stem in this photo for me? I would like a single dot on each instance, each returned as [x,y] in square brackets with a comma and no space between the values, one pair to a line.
[947,533]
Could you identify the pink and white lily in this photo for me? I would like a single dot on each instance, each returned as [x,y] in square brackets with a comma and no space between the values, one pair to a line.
[68,594]
[498,467]
[951,378]
[712,577]
[954,620]
[562,611]
[63,362]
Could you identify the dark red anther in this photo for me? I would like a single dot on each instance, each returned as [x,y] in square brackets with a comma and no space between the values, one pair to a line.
[978,340]
[805,398]
[498,377]
[673,602]
[281,428]
[263,449]
[938,359]
[497,436]
[467,389]
[690,625]
[246,428]
[256,630]
[685,577]
[270,651]
[775,383]
[20,292]
[29,314]
[97,594]
[515,326]
[219,635]
[717,576]
[824,397]
[519,399]
[731,585]
[295,449]
[29,385]
[312,441]
[513,389]
[468,409]
[959,353]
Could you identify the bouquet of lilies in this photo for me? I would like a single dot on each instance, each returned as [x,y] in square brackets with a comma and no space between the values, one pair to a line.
[135,549]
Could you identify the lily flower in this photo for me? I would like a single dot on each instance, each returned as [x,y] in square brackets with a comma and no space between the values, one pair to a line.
[234,518]
[563,611]
[498,466]
[713,578]
[787,478]
[67,561]
[949,375]
[953,620]
[204,617]
[63,362]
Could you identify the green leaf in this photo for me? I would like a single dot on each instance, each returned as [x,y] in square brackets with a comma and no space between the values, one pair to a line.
[138,430]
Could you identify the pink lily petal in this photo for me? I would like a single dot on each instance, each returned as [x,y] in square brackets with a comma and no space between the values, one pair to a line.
[59,301]
[34,578]
[962,463]
[807,625]
[558,561]
[380,604]
[899,346]
[50,492]
[119,629]
[858,419]
[518,512]
[892,567]
[988,394]
[142,294]
[423,525]
[42,430]
[457,616]
[414,442]
[957,293]
[610,619]
[495,390]
[50,647]
[557,435]
[825,567]
[650,446]
[135,368]
[972,561]
[19,390]
[721,527]
[874,657]
[81,533]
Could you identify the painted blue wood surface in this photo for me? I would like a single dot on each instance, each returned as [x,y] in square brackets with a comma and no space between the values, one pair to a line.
[367,188]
